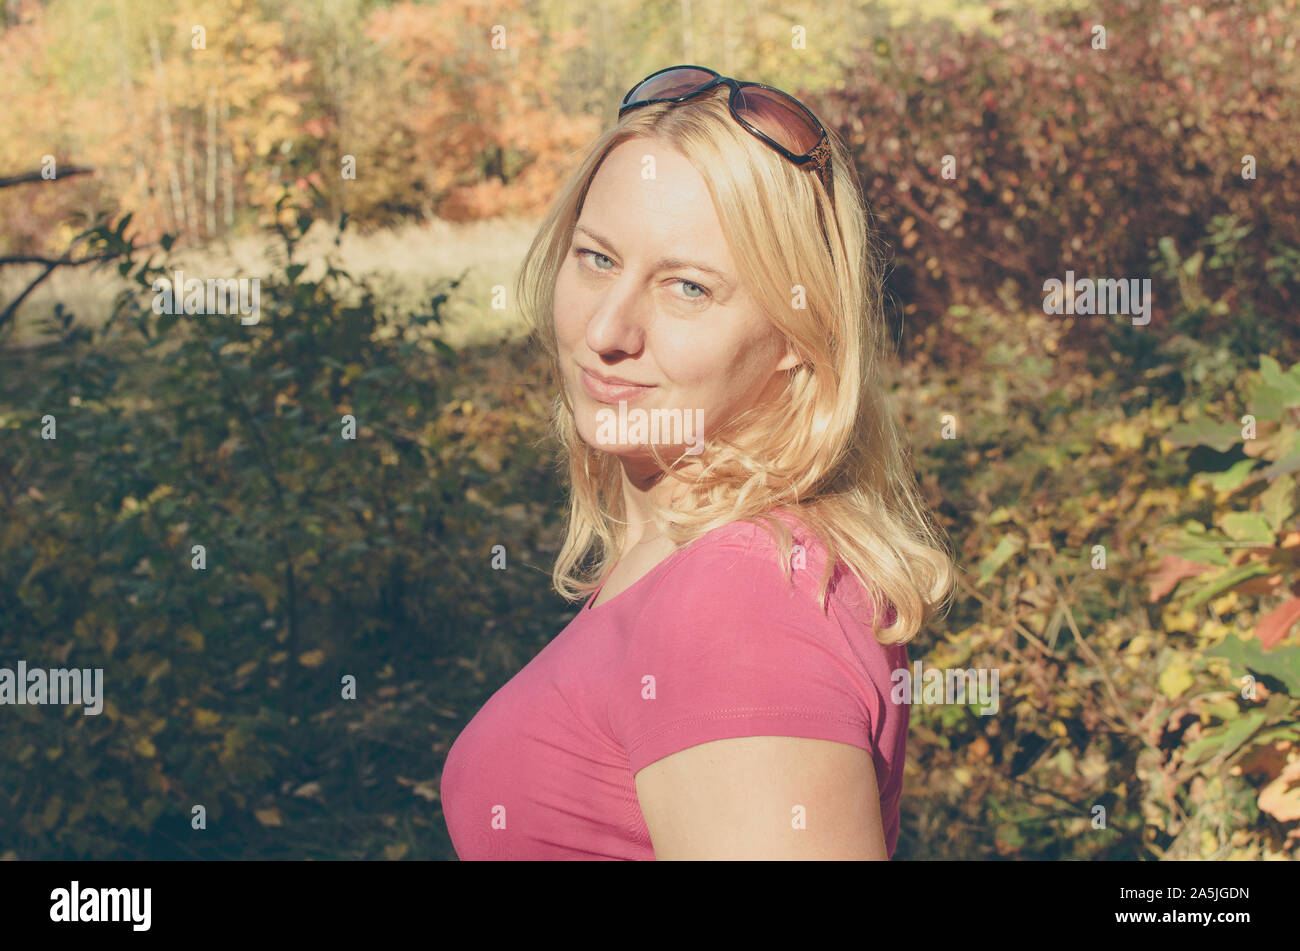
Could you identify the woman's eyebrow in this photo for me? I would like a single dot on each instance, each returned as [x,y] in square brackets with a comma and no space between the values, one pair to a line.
[663,264]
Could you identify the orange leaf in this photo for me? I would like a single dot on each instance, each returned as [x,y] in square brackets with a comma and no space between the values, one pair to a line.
[1267,585]
[1281,797]
[1277,622]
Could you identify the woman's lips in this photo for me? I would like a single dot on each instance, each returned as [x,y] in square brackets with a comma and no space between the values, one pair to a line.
[603,392]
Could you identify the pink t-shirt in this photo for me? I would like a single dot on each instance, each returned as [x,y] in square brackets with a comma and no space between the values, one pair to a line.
[545,770]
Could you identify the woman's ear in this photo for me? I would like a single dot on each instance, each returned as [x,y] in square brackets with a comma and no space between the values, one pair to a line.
[791,358]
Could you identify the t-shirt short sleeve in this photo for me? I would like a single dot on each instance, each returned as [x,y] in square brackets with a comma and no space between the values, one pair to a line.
[727,646]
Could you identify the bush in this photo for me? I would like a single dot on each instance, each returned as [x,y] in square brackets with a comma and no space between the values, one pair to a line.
[1069,157]
[1133,561]
[322,557]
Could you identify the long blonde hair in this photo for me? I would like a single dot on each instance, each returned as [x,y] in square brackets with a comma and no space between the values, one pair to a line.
[829,450]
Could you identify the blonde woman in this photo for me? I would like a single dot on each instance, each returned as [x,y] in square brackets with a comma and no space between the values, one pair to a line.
[758,553]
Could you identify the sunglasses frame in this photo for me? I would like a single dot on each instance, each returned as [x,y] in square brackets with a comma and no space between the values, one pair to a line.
[820,155]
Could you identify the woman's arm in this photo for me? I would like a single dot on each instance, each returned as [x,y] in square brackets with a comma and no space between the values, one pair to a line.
[763,797]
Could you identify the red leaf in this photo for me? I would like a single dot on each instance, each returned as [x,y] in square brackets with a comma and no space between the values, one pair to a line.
[1277,622]
[1171,571]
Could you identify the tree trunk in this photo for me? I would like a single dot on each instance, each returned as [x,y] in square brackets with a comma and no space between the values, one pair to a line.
[210,166]
[165,119]
[191,212]
[143,173]
[228,172]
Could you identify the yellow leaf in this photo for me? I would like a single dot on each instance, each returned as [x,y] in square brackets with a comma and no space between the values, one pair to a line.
[191,635]
[279,103]
[267,588]
[1126,434]
[1175,679]
[999,515]
[1209,844]
[395,852]
[144,746]
[268,817]
[312,658]
[206,718]
[1177,618]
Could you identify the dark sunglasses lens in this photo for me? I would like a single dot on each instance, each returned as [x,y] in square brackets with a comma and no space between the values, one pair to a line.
[669,85]
[780,118]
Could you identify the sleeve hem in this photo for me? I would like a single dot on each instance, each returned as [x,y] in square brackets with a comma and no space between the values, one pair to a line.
[738,722]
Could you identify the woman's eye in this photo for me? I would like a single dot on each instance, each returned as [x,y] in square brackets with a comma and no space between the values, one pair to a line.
[581,251]
[703,292]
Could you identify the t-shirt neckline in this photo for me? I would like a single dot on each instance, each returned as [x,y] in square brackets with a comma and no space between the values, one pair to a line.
[588,608]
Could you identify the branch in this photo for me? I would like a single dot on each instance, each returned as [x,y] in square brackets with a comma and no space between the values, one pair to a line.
[39,175]
[49,264]
[13,306]
[55,262]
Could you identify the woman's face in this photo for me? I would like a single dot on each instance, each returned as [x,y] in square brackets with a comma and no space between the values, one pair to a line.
[649,294]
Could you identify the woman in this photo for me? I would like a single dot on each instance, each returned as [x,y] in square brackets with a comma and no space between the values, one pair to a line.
[737,476]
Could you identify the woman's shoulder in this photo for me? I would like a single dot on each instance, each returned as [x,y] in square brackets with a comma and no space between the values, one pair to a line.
[745,552]
[733,584]
[759,535]
[744,558]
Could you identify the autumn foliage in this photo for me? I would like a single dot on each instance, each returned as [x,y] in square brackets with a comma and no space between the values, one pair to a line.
[1123,500]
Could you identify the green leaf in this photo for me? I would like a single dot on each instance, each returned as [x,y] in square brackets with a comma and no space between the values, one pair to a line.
[1007,546]
[1277,503]
[1195,543]
[1288,383]
[1203,748]
[1274,392]
[1280,663]
[1280,732]
[1204,432]
[1284,466]
[1231,478]
[1247,527]
[1239,730]
[1229,579]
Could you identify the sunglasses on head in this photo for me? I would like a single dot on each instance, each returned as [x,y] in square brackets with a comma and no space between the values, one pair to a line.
[776,118]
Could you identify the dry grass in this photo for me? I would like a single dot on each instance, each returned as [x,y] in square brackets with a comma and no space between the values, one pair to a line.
[406,264]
